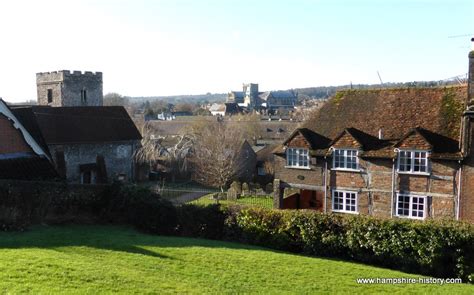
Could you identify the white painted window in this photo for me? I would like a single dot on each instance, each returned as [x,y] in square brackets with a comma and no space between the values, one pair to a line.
[344,201]
[297,158]
[411,206]
[412,161]
[345,159]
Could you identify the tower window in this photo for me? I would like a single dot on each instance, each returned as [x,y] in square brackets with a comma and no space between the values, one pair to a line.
[84,96]
[50,95]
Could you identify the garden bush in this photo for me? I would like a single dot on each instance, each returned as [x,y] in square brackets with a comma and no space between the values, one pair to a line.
[437,248]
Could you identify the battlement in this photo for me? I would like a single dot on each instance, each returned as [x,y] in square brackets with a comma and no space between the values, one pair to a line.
[69,88]
[64,73]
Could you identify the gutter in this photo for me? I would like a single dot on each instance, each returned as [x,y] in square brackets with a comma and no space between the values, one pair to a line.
[325,184]
[458,204]
[393,188]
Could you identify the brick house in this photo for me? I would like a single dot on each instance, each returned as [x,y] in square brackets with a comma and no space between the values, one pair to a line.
[21,157]
[388,152]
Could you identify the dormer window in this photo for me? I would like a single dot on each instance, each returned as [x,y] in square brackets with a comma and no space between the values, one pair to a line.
[412,161]
[345,159]
[297,158]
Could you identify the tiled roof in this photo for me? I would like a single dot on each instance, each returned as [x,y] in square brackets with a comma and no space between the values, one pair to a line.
[316,141]
[394,111]
[433,113]
[265,153]
[60,125]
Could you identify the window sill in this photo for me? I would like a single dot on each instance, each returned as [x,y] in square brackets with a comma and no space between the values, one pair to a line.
[344,211]
[410,217]
[296,167]
[345,169]
[414,173]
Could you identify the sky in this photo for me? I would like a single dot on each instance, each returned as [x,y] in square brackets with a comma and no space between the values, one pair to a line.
[157,48]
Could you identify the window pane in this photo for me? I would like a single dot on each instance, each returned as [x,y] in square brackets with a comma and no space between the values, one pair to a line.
[338,201]
[351,202]
[403,205]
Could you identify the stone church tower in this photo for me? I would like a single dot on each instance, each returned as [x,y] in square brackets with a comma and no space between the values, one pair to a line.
[69,89]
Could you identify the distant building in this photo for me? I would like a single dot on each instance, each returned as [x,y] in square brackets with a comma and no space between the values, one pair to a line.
[225,109]
[251,99]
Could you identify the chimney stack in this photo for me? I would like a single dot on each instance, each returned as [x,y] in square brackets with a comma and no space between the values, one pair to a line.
[470,78]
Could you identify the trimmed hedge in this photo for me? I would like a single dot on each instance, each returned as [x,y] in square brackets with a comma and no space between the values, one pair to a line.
[436,248]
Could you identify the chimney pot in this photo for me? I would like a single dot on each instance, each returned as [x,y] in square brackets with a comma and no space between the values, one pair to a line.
[380,133]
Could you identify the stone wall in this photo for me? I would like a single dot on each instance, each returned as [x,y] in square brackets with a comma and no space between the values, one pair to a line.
[118,158]
[66,87]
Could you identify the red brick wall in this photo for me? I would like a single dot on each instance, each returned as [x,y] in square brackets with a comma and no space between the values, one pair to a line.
[312,176]
[298,141]
[415,141]
[346,141]
[377,176]
[11,139]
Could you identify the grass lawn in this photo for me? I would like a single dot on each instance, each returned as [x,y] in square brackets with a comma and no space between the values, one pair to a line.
[259,201]
[109,259]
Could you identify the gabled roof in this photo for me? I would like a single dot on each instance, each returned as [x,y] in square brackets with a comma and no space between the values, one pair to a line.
[67,125]
[316,141]
[440,146]
[435,114]
[265,153]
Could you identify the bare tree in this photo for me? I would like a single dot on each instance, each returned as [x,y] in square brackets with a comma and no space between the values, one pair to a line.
[217,153]
[115,99]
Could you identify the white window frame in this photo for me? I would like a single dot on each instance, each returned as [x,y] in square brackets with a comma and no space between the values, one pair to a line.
[344,158]
[345,195]
[411,210]
[301,156]
[412,165]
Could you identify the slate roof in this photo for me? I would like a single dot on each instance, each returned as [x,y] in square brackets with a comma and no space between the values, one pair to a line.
[68,125]
[434,113]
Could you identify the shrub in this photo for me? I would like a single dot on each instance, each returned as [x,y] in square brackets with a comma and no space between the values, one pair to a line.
[201,221]
[437,248]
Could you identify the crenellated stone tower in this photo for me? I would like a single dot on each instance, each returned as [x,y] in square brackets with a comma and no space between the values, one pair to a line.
[68,89]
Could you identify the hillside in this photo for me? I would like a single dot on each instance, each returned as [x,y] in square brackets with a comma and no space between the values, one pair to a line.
[108,259]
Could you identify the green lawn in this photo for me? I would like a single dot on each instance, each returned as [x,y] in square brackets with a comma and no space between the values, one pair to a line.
[259,201]
[108,259]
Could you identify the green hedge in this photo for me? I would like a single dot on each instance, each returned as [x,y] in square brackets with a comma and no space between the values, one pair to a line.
[436,248]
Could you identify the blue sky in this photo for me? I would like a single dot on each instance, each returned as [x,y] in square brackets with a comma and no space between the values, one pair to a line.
[170,47]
